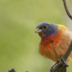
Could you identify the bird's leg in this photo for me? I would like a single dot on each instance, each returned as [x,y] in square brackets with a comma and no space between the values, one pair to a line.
[63,62]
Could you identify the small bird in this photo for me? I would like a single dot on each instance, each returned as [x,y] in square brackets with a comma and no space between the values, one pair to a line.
[55,40]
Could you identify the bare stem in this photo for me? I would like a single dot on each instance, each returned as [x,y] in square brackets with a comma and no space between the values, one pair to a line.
[67,11]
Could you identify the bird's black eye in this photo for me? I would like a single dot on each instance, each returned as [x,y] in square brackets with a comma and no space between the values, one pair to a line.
[46,26]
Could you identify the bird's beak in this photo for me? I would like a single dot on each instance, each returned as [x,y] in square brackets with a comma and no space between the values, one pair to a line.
[38,30]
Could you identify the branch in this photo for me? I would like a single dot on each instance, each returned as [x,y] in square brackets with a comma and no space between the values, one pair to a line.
[12,70]
[58,67]
[67,11]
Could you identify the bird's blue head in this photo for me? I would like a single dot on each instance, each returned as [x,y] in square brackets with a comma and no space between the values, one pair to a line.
[46,29]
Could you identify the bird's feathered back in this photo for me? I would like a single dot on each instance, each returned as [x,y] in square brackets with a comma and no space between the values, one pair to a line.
[56,43]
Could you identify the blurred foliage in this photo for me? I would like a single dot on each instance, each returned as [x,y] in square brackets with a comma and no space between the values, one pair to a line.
[18,41]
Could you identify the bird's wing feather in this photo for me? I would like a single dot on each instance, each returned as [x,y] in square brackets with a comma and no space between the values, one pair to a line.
[67,32]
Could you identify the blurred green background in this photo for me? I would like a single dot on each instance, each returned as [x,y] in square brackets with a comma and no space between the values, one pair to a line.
[18,41]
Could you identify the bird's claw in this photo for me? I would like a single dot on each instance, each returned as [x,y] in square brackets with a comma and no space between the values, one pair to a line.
[63,62]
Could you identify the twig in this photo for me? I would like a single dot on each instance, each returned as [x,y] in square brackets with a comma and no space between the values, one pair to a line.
[67,11]
[59,65]
[12,70]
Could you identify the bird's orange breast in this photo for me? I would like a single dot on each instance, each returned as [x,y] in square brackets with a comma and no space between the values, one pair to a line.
[55,46]
[51,40]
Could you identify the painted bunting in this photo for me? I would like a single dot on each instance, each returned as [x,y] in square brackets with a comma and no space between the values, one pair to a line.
[55,40]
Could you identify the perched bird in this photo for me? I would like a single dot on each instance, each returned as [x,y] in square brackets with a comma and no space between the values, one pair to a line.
[55,40]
